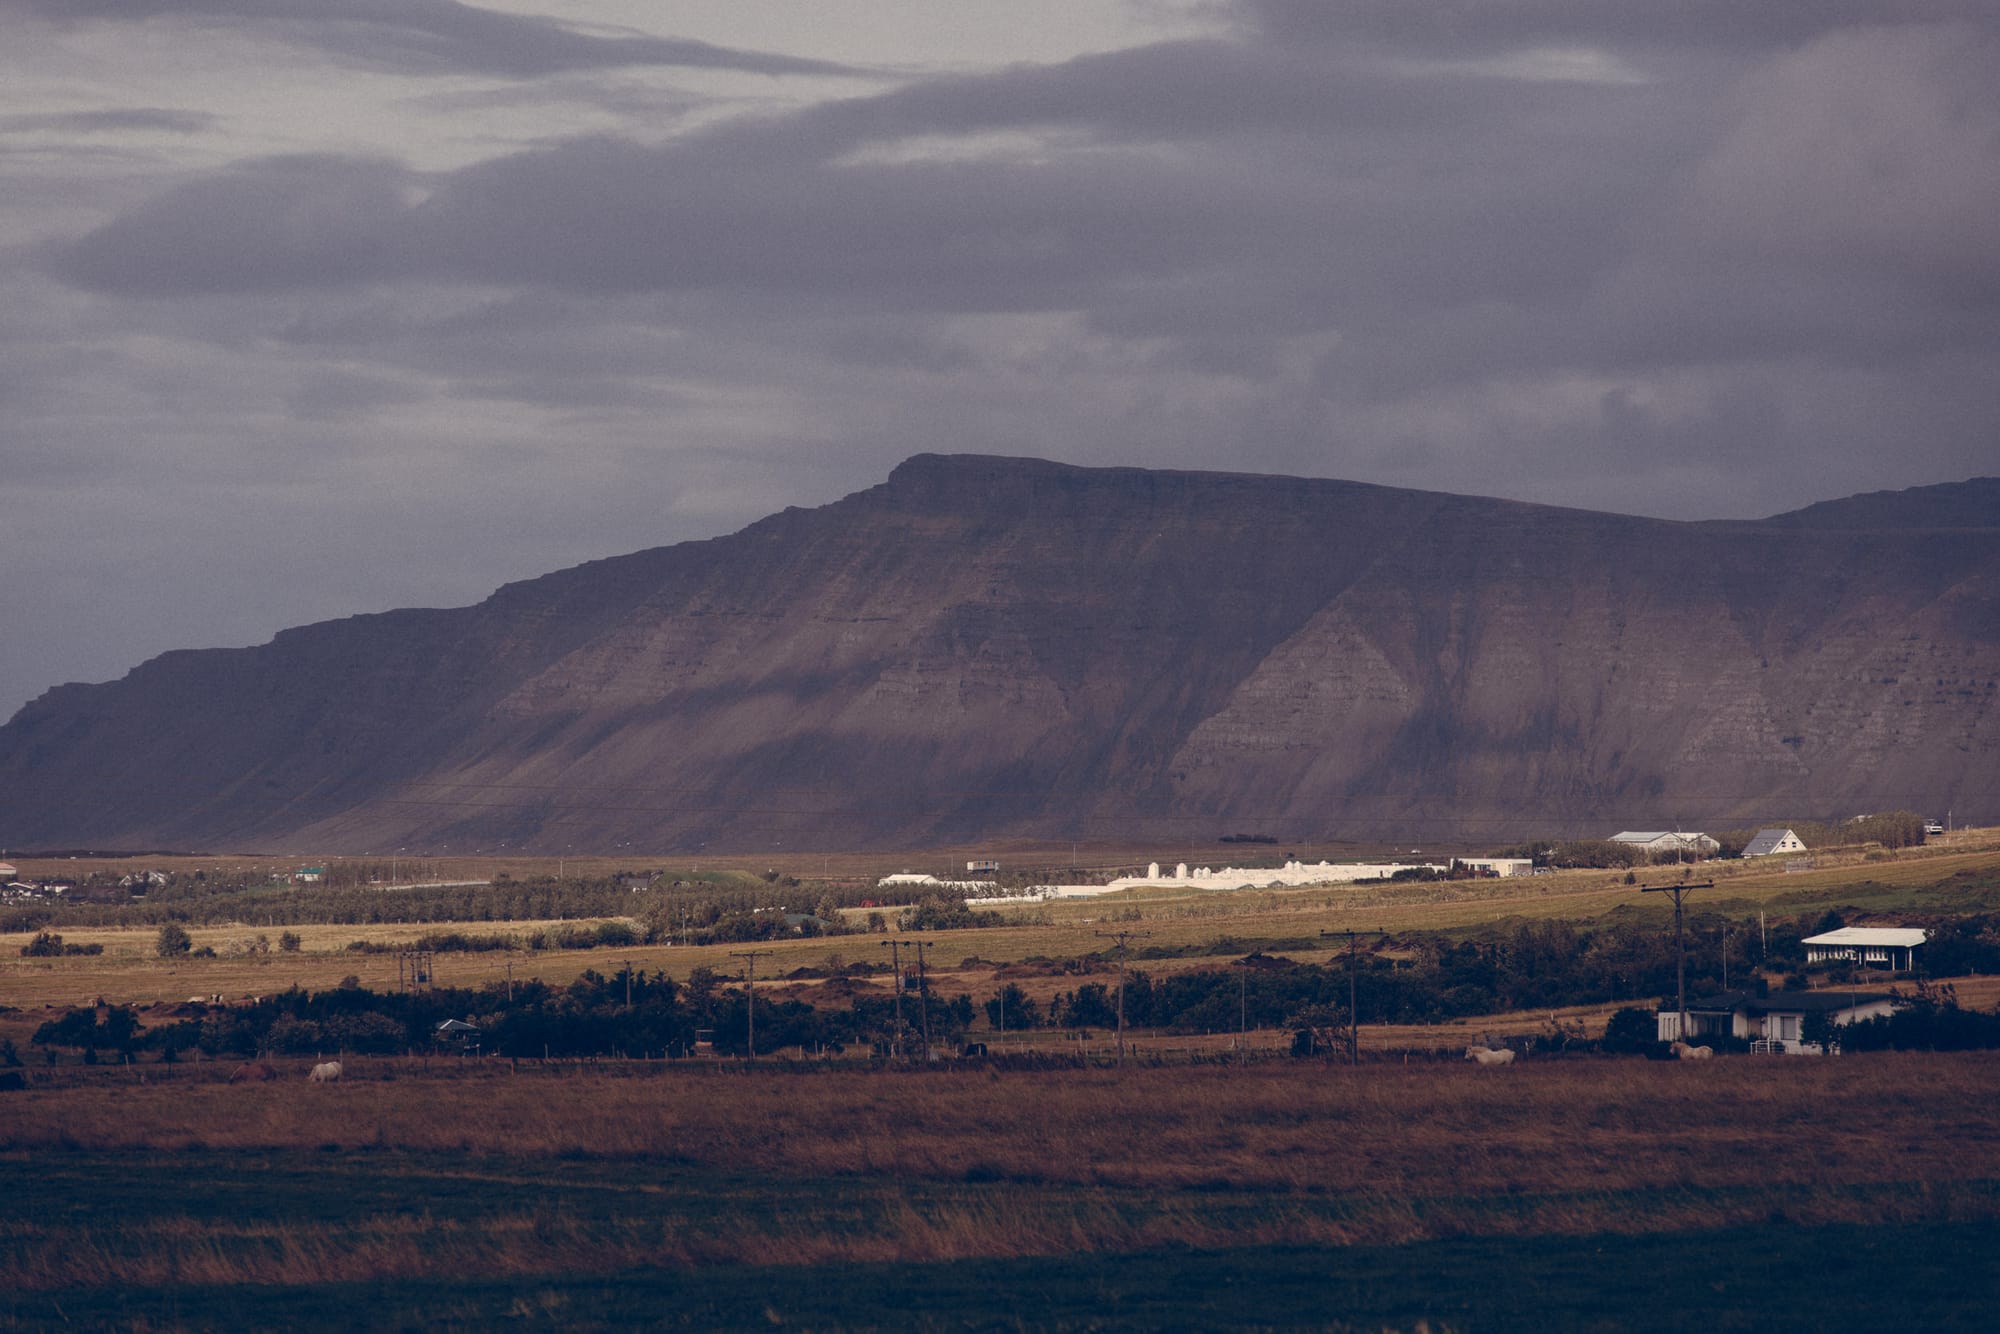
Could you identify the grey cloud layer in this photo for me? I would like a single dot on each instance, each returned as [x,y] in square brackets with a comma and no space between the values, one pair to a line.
[432,36]
[1693,260]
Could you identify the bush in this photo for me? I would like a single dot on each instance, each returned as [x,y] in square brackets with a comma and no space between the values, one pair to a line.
[288,942]
[173,941]
[48,945]
[1631,1030]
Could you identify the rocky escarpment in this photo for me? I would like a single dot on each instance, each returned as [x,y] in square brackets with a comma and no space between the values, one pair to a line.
[986,647]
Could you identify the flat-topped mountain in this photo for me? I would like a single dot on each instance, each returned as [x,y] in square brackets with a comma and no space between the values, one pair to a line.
[984,647]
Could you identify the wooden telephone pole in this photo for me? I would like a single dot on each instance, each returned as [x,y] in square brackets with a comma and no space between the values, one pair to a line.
[750,958]
[896,968]
[923,995]
[1122,937]
[1680,945]
[1353,993]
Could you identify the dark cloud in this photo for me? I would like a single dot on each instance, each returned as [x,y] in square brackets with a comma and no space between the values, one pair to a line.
[433,36]
[1462,28]
[281,222]
[109,121]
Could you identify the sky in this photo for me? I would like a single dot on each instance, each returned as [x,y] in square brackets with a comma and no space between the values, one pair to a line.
[310,308]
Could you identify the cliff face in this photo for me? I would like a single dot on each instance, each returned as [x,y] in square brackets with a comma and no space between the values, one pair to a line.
[986,647]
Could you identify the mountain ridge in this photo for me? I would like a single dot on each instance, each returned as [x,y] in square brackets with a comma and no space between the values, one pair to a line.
[989,647]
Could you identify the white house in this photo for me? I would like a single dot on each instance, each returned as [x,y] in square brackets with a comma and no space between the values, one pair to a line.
[1496,865]
[1668,842]
[1891,947]
[1773,1023]
[1769,842]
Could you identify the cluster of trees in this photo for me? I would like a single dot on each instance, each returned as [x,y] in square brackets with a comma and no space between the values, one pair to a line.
[48,945]
[630,1013]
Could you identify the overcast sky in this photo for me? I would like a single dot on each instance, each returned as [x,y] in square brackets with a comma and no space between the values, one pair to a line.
[314,307]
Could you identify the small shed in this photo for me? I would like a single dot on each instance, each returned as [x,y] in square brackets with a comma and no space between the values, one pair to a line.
[1890,947]
[1770,842]
[457,1035]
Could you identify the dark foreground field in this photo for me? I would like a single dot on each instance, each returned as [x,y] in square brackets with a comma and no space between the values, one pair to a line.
[1765,1193]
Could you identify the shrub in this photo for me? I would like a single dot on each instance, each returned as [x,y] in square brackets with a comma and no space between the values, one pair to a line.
[48,945]
[288,942]
[1631,1031]
[173,940]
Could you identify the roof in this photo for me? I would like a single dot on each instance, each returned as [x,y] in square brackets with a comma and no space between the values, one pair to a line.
[1898,936]
[1767,842]
[1780,1002]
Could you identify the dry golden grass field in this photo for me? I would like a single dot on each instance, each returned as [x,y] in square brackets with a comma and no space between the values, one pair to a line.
[476,1174]
[1747,1192]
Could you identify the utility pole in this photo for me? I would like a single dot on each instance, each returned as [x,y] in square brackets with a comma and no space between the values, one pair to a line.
[923,995]
[749,958]
[1353,994]
[1680,945]
[896,968]
[1122,937]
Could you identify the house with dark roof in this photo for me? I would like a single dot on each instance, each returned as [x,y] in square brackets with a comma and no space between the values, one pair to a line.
[1771,1023]
[1770,842]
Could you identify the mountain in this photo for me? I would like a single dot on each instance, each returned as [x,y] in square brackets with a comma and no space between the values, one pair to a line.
[983,647]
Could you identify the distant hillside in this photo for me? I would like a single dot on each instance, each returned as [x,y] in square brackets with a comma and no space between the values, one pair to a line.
[984,647]
[1969,504]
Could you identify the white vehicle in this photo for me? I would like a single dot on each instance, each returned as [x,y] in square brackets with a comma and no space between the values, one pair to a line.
[1933,827]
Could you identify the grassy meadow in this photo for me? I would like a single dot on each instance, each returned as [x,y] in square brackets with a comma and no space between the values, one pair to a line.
[402,1197]
[1409,1192]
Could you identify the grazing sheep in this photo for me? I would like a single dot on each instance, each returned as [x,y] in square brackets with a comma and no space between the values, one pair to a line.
[1487,1056]
[325,1073]
[1687,1053]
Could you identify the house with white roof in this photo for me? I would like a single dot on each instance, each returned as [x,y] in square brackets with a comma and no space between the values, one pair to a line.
[1769,842]
[1668,842]
[1890,947]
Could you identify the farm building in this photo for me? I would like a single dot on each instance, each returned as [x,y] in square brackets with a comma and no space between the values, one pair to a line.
[1496,865]
[1772,1023]
[1668,842]
[1890,947]
[1769,842]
